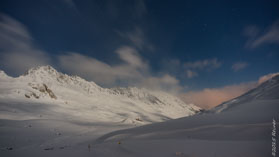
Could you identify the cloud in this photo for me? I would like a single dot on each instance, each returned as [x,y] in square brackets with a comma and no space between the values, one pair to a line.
[202,64]
[130,56]
[164,82]
[270,36]
[251,31]
[239,66]
[137,38]
[103,73]
[211,97]
[98,71]
[132,71]
[192,68]
[18,54]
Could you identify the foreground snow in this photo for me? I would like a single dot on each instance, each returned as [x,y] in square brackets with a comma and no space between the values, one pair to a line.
[231,133]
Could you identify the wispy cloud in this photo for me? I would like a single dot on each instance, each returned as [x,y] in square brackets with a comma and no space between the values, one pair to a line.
[17,51]
[251,31]
[193,68]
[163,82]
[269,36]
[239,66]
[131,57]
[203,64]
[137,38]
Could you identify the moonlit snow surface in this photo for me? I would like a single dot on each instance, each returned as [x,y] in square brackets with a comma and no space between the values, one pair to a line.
[44,112]
[240,127]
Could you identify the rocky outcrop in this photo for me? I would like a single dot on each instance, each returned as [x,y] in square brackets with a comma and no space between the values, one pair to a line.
[43,88]
[32,94]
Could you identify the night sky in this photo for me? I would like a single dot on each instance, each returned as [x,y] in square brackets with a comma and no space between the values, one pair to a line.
[166,44]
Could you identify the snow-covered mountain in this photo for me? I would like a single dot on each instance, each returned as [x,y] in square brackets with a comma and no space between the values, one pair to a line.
[78,99]
[268,90]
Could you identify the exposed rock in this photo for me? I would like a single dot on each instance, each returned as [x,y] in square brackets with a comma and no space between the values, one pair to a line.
[138,119]
[29,95]
[43,89]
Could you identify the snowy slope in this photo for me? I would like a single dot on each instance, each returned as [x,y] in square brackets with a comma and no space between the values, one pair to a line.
[268,90]
[240,127]
[79,99]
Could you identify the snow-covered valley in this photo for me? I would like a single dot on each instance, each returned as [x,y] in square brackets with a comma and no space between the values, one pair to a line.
[47,113]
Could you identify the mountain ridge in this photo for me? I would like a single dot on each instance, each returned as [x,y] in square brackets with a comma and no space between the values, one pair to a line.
[268,89]
[74,94]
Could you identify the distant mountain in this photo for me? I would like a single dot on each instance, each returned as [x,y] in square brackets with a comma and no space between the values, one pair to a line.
[268,90]
[75,98]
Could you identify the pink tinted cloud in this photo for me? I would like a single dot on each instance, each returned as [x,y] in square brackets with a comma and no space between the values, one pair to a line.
[211,97]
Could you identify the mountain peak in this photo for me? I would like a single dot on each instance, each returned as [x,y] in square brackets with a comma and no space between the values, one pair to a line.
[268,77]
[275,77]
[3,75]
[41,69]
[48,75]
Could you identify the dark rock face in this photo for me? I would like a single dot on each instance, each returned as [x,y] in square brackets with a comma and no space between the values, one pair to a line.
[47,90]
[43,89]
[32,94]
